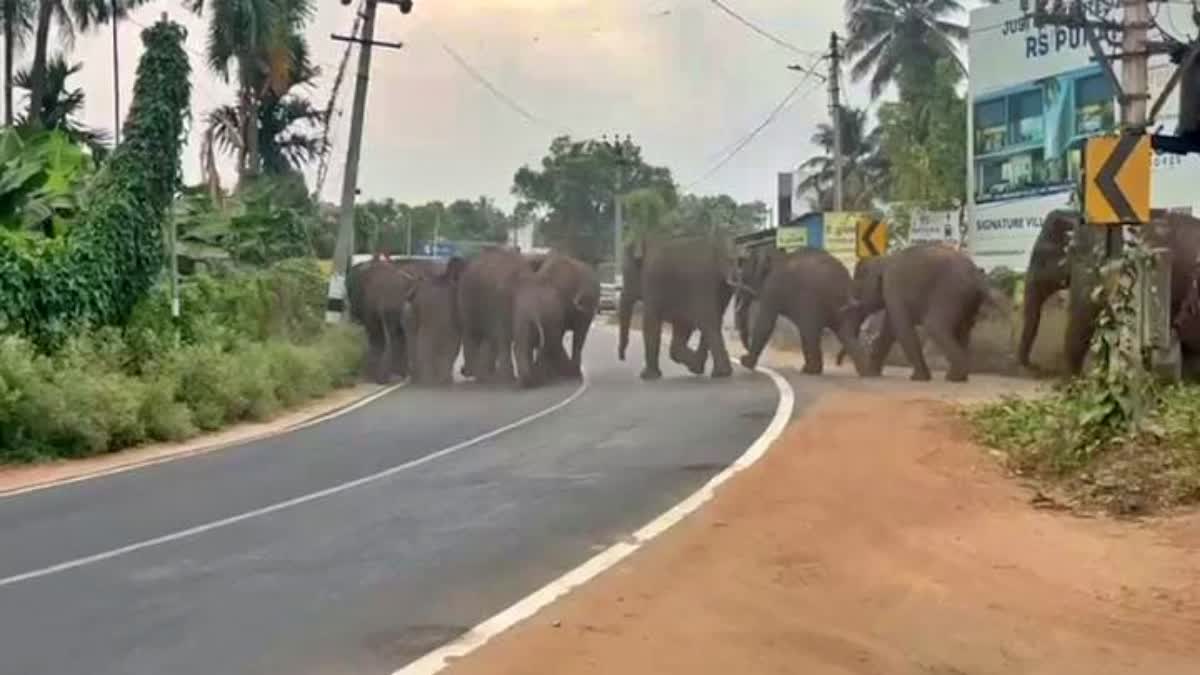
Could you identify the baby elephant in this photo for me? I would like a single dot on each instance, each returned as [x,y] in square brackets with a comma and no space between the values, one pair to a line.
[538,326]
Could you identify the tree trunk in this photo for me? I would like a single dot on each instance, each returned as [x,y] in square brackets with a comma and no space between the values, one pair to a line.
[37,77]
[9,53]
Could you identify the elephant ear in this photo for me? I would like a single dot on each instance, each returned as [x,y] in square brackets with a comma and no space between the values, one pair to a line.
[637,249]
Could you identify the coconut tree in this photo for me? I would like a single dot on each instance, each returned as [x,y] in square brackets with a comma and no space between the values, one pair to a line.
[887,37]
[17,16]
[288,133]
[59,106]
[864,169]
[71,16]
[260,44]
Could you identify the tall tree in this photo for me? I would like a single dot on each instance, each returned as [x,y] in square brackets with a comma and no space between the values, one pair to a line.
[864,168]
[925,139]
[573,192]
[262,43]
[17,16]
[71,16]
[887,37]
[60,106]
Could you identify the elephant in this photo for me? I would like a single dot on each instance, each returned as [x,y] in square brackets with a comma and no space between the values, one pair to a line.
[486,291]
[378,290]
[1049,271]
[432,326]
[578,289]
[809,287]
[538,322]
[931,285]
[686,282]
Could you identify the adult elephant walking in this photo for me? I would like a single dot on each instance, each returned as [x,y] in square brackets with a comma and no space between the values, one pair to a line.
[687,283]
[431,325]
[486,292]
[538,323]
[578,290]
[930,285]
[1049,272]
[378,291]
[809,287]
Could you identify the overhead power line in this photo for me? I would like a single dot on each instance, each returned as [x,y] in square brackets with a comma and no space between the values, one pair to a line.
[746,140]
[749,24]
[495,91]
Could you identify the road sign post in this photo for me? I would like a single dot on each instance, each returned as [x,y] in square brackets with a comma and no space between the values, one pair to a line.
[871,237]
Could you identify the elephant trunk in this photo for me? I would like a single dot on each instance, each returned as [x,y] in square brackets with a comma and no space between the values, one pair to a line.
[1035,296]
[625,315]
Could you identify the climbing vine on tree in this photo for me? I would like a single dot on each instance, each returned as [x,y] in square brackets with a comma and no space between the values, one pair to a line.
[97,272]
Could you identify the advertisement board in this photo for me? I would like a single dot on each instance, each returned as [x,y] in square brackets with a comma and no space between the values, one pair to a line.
[934,226]
[841,234]
[1034,97]
[789,239]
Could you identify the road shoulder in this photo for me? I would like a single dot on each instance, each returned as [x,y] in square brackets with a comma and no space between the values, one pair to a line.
[17,479]
[870,543]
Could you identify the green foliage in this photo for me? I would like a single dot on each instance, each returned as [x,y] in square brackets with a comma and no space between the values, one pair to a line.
[41,178]
[61,106]
[97,272]
[901,41]
[248,345]
[925,140]
[864,167]
[573,193]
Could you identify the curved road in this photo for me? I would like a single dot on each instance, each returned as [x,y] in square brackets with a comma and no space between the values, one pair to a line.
[294,554]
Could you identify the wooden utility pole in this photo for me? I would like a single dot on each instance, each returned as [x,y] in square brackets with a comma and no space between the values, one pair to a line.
[344,249]
[835,112]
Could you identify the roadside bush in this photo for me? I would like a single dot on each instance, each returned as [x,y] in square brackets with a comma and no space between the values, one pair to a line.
[248,346]
[1066,443]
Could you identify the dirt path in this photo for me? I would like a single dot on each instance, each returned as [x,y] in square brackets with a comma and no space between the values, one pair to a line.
[886,544]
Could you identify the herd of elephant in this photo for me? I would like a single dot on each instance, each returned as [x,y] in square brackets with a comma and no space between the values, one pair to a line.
[509,314]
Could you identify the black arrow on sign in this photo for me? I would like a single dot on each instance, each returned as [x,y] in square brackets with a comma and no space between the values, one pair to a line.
[1106,178]
[866,237]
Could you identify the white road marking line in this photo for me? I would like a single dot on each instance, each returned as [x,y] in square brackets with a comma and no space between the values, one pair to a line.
[443,657]
[343,487]
[204,449]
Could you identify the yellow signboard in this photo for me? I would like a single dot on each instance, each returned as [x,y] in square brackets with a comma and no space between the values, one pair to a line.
[789,239]
[842,230]
[1117,179]
[872,237]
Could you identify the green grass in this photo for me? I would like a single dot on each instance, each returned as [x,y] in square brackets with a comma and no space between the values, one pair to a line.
[1063,443]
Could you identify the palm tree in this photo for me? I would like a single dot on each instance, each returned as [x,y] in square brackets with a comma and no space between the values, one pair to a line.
[18,24]
[286,140]
[263,41]
[71,16]
[60,107]
[891,39]
[864,168]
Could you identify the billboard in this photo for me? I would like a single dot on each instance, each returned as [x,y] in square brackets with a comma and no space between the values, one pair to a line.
[934,226]
[1034,97]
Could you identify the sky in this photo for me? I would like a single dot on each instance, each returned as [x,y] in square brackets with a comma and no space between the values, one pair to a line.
[683,78]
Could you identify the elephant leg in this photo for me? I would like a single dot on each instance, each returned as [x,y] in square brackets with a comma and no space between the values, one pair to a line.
[503,348]
[1036,294]
[651,342]
[906,332]
[944,328]
[578,338]
[401,346]
[470,349]
[881,345]
[1081,324]
[680,352]
[712,340]
[761,330]
[810,344]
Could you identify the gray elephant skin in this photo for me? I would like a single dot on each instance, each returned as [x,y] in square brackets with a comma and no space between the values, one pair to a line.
[931,285]
[378,291]
[431,324]
[810,288]
[578,289]
[685,282]
[486,291]
[1049,272]
[538,322]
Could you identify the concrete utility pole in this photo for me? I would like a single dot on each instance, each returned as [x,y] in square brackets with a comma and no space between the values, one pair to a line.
[344,249]
[835,111]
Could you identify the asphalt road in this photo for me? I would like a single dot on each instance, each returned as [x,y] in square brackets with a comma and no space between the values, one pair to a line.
[253,559]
